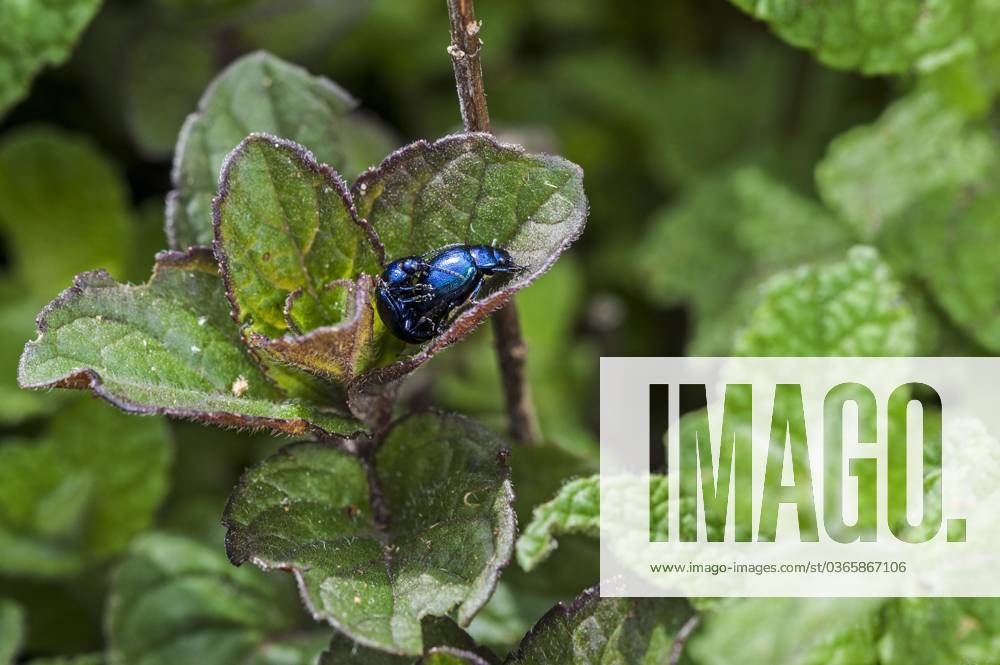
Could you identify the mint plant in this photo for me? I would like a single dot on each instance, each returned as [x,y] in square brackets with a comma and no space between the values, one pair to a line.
[273,326]
[752,188]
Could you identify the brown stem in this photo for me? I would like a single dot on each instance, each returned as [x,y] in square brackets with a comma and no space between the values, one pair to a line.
[677,649]
[464,51]
[511,349]
[512,353]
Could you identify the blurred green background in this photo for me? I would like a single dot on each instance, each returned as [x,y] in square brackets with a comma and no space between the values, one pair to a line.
[699,132]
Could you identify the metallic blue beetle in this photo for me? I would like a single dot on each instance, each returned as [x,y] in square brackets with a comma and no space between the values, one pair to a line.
[417,294]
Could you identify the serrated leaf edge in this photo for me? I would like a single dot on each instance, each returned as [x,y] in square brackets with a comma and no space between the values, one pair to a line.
[368,384]
[502,557]
[86,378]
[173,197]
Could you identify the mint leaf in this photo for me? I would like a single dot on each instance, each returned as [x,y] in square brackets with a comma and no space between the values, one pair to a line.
[261,93]
[576,509]
[176,602]
[166,71]
[595,630]
[444,488]
[853,307]
[63,209]
[290,245]
[954,226]
[169,347]
[81,491]
[918,144]
[814,631]
[290,239]
[16,325]
[37,34]
[62,200]
[538,472]
[468,188]
[742,226]
[444,644]
[12,630]
[877,38]
[285,224]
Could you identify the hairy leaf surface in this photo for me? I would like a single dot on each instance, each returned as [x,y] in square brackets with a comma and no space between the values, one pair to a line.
[594,630]
[445,643]
[169,347]
[853,307]
[447,500]
[285,225]
[878,37]
[470,189]
[261,93]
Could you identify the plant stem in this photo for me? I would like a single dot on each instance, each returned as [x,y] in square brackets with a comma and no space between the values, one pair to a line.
[677,649]
[511,348]
[464,52]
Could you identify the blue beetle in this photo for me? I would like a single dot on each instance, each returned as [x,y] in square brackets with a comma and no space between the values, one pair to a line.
[417,294]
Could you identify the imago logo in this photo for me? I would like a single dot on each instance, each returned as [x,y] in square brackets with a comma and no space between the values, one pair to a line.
[799,476]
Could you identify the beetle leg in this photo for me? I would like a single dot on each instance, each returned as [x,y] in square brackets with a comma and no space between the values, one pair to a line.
[421,328]
[423,297]
[475,292]
[424,288]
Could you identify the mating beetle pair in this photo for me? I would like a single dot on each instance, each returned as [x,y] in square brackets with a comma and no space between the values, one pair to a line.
[416,295]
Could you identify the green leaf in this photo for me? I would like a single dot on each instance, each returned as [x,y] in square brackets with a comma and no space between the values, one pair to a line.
[12,630]
[576,509]
[595,630]
[261,93]
[290,244]
[169,347]
[63,209]
[949,241]
[37,34]
[445,643]
[468,188]
[877,38]
[81,491]
[520,600]
[739,228]
[166,72]
[918,144]
[16,325]
[289,235]
[789,631]
[176,602]
[445,492]
[853,307]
